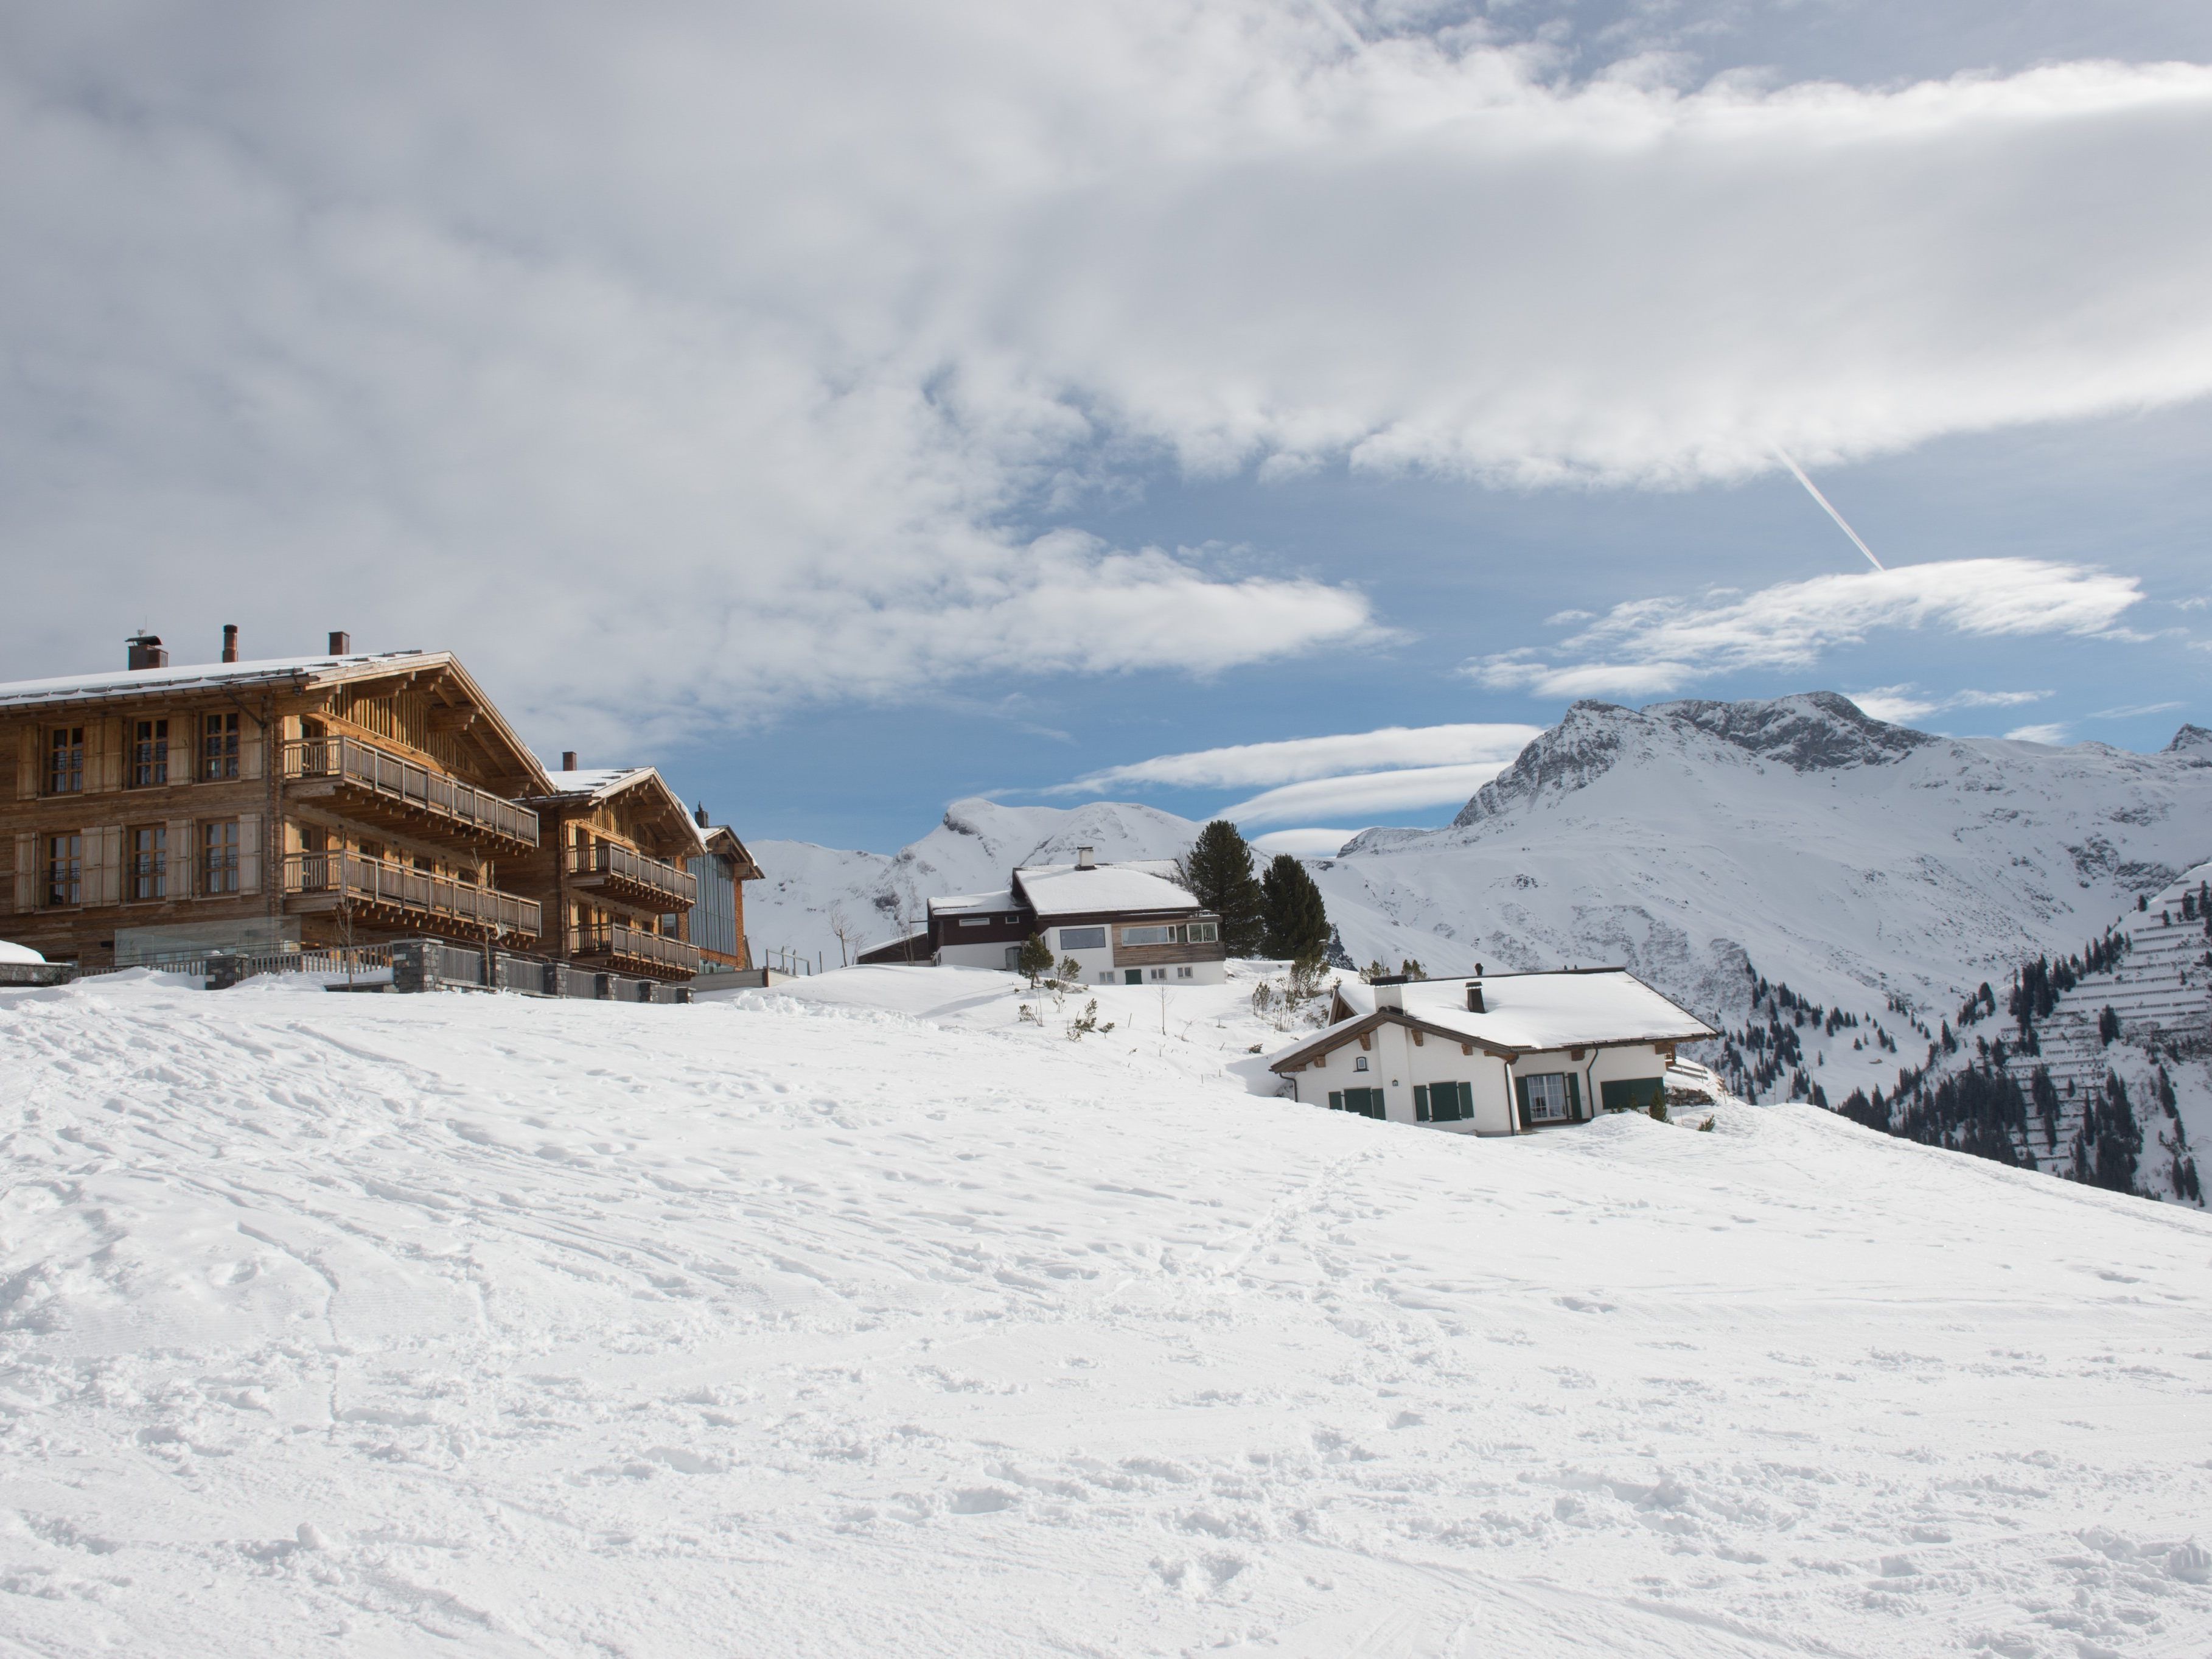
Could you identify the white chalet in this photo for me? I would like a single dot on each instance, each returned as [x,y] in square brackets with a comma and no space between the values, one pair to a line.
[1123,924]
[1500,1054]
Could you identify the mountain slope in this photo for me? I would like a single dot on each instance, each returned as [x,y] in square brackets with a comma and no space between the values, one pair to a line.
[386,1326]
[1856,859]
[972,850]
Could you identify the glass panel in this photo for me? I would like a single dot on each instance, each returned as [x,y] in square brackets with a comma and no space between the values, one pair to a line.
[1547,1096]
[1205,933]
[65,869]
[1083,939]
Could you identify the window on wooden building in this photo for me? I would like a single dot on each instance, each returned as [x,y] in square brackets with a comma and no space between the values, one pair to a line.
[147,871]
[65,869]
[219,856]
[218,747]
[65,761]
[149,753]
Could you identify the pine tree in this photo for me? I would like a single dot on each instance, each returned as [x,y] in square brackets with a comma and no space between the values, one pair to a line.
[1035,960]
[1296,919]
[1217,870]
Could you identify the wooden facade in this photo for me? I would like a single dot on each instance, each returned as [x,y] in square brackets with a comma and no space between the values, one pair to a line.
[612,872]
[321,801]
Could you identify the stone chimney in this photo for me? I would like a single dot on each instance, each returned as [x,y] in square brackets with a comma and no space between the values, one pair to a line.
[568,760]
[341,643]
[146,651]
[1084,860]
[230,641]
[1390,992]
[699,817]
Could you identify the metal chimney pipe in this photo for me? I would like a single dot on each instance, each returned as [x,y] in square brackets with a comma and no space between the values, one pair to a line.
[1474,998]
[341,643]
[230,641]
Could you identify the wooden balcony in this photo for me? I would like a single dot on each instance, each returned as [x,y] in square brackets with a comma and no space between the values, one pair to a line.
[632,879]
[365,782]
[383,895]
[633,951]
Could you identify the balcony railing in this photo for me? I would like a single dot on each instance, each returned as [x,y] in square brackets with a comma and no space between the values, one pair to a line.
[656,953]
[620,871]
[409,788]
[413,895]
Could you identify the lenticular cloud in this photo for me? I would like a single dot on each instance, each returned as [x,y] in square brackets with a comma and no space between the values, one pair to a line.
[1659,645]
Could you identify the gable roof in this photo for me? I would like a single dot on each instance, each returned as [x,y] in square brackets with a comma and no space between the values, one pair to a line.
[722,841]
[592,785]
[953,904]
[1067,889]
[1522,1013]
[510,756]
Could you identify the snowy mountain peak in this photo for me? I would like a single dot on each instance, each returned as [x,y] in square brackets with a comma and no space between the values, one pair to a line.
[2192,740]
[1809,732]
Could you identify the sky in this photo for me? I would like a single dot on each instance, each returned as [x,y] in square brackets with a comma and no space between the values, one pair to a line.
[1279,409]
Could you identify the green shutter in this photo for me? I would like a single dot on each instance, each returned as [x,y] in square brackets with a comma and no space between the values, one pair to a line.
[1336,1100]
[1521,1093]
[1466,1103]
[1574,1097]
[1421,1102]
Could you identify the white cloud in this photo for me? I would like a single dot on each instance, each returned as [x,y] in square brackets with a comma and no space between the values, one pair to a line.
[1303,843]
[1660,645]
[1372,795]
[1902,704]
[1250,764]
[2136,710]
[2051,734]
[691,362]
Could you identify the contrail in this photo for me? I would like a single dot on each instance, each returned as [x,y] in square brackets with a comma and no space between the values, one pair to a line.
[1813,490]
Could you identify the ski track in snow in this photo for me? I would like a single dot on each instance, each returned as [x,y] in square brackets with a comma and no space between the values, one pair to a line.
[371,1325]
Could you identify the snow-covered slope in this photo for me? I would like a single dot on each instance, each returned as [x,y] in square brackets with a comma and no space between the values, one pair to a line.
[382,1326]
[1854,859]
[881,897]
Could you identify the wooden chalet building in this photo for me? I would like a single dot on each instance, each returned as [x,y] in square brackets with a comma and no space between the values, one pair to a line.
[312,802]
[262,806]
[718,921]
[1121,924]
[613,872]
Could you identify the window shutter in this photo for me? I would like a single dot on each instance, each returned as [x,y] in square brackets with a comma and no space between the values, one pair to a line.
[103,865]
[1335,1095]
[250,745]
[1466,1103]
[26,770]
[1574,1097]
[25,887]
[105,764]
[249,852]
[183,755]
[181,859]
[1420,1103]
[1521,1094]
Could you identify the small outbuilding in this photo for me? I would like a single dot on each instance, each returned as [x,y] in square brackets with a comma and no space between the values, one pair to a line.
[1494,1055]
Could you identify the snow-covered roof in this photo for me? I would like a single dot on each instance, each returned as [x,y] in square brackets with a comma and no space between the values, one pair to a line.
[68,687]
[596,780]
[1067,889]
[1524,1012]
[10,951]
[956,904]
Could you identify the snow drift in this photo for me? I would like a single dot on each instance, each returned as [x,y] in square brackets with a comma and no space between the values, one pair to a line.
[374,1325]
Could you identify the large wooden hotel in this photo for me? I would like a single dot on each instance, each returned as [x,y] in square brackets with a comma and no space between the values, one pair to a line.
[346,799]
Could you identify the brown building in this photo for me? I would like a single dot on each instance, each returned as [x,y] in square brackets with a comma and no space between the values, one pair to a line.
[319,801]
[613,871]
[261,805]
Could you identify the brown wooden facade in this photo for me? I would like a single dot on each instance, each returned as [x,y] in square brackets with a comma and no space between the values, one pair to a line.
[612,873]
[263,805]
